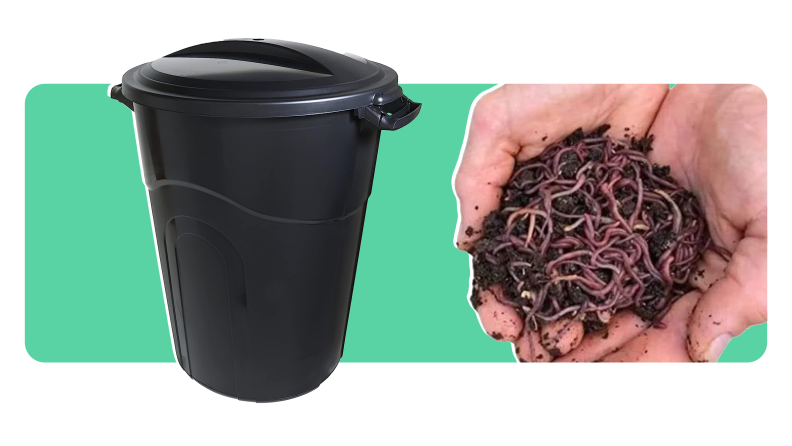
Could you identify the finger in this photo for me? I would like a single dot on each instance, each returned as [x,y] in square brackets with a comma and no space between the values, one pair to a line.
[529,348]
[732,304]
[559,337]
[622,328]
[500,321]
[665,344]
[709,270]
[634,109]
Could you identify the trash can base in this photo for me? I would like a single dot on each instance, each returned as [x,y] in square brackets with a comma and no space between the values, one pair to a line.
[273,400]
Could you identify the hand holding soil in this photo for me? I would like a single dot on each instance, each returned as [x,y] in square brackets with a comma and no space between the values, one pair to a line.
[618,255]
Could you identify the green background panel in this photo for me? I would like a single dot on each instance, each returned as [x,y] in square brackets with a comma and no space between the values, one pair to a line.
[93,290]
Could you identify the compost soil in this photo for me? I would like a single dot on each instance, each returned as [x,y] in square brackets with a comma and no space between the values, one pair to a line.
[568,242]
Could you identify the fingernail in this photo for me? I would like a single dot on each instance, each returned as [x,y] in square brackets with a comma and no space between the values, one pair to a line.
[717,347]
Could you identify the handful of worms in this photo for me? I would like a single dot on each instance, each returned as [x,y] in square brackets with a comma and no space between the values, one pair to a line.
[587,228]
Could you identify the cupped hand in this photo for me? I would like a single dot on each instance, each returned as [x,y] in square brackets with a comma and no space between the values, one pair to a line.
[514,123]
[714,137]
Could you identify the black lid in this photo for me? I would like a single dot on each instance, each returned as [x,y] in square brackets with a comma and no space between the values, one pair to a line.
[259,78]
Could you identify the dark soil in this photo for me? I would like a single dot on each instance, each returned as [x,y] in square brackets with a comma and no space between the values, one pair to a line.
[574,238]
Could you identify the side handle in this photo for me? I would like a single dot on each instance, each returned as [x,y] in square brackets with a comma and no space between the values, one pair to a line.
[392,115]
[116,94]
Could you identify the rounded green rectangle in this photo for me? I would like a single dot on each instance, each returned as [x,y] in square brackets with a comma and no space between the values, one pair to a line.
[93,290]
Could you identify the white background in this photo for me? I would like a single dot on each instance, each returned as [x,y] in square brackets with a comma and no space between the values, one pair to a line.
[487,42]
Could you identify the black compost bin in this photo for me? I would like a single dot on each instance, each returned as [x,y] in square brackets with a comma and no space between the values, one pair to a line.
[259,156]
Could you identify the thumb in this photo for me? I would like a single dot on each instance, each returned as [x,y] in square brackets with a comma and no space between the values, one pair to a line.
[732,304]
[486,166]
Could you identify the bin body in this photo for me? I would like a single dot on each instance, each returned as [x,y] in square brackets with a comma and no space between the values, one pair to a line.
[258,227]
[258,156]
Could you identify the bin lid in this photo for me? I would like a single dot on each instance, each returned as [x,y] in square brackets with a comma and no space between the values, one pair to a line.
[259,78]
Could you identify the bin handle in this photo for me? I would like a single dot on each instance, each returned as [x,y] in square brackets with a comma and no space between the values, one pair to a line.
[391,115]
[116,94]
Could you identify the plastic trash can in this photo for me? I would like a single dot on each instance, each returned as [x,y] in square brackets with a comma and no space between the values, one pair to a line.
[259,156]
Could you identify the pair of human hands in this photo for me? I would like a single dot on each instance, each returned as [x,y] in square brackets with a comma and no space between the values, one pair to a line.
[714,138]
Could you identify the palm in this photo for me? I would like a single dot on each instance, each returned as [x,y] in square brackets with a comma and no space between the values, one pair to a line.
[714,144]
